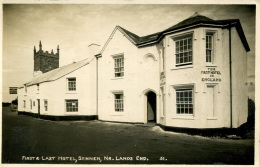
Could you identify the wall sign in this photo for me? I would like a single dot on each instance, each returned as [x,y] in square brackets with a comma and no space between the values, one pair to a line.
[211,75]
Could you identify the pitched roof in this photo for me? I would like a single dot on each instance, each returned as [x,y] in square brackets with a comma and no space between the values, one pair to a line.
[195,19]
[58,73]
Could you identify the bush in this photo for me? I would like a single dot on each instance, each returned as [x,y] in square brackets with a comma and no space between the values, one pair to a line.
[15,102]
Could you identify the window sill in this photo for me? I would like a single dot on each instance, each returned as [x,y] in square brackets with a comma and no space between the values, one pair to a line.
[186,117]
[211,65]
[182,67]
[117,78]
[212,118]
[117,114]
[72,113]
[71,92]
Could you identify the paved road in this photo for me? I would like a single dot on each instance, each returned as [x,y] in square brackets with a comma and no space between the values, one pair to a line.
[30,140]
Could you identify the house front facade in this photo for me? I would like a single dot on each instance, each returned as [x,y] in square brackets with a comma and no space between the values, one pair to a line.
[191,75]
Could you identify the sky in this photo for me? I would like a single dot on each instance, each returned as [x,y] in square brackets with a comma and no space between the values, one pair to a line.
[73,27]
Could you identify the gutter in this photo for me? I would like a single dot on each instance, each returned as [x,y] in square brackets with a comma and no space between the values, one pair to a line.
[97,56]
[230,75]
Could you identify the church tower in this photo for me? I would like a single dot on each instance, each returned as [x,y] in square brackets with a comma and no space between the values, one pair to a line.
[45,61]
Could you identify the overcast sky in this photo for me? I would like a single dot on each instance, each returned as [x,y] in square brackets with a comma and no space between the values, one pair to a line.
[74,27]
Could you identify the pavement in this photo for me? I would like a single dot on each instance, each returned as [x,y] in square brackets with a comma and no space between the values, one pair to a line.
[36,141]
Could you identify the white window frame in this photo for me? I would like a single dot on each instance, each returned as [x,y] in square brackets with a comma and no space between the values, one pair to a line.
[119,103]
[45,104]
[75,108]
[24,103]
[70,83]
[31,103]
[119,58]
[184,101]
[210,34]
[174,88]
[180,53]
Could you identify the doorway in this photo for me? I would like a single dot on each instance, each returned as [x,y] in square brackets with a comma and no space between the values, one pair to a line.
[151,107]
[39,107]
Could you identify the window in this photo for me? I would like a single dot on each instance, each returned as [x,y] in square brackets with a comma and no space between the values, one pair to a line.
[46,105]
[13,90]
[184,101]
[119,102]
[25,88]
[31,104]
[183,51]
[38,87]
[72,105]
[24,104]
[71,84]
[119,66]
[209,48]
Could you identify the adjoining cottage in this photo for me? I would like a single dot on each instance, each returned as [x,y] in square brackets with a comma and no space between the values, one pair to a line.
[191,75]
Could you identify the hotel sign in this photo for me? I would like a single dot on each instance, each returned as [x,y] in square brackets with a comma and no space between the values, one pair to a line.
[211,75]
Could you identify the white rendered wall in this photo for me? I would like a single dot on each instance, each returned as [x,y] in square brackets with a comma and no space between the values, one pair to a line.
[56,93]
[192,75]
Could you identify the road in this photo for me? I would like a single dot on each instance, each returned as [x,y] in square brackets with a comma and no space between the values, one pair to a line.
[31,140]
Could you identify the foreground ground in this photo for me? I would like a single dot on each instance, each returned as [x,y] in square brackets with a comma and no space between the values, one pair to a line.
[30,140]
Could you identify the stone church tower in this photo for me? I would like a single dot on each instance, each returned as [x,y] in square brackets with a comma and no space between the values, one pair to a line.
[45,61]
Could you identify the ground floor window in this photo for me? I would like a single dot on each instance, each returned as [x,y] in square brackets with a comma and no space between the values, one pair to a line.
[71,105]
[24,104]
[45,105]
[119,102]
[31,104]
[184,101]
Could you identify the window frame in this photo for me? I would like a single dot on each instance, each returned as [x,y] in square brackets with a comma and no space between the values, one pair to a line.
[122,63]
[71,100]
[45,104]
[212,56]
[119,109]
[69,83]
[24,103]
[183,103]
[189,50]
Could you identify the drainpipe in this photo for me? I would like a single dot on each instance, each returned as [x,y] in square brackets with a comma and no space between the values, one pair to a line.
[230,75]
[97,56]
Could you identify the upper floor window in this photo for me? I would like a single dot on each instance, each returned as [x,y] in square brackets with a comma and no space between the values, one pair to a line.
[71,105]
[209,48]
[183,50]
[119,66]
[25,88]
[119,102]
[38,87]
[71,84]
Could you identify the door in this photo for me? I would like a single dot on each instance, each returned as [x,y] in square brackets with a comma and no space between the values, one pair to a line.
[39,107]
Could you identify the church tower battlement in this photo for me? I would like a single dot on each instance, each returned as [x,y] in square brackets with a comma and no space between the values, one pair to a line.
[45,61]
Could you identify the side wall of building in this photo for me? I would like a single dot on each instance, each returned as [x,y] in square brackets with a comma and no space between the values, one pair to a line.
[239,80]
